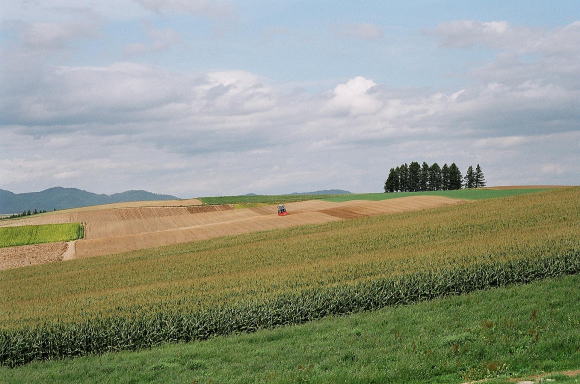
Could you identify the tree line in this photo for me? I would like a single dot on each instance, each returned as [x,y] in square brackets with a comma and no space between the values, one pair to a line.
[27,213]
[415,178]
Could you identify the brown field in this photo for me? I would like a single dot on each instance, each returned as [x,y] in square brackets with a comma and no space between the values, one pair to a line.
[26,255]
[120,229]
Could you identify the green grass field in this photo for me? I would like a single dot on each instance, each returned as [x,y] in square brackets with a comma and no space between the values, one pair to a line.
[499,333]
[468,194]
[35,234]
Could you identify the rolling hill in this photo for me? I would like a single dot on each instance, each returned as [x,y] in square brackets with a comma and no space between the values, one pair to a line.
[63,198]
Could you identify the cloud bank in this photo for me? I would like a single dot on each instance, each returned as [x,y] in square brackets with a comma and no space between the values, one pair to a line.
[128,125]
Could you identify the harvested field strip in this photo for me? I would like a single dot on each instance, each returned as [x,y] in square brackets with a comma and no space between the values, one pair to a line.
[108,334]
[263,265]
[26,255]
[129,235]
[35,234]
[468,194]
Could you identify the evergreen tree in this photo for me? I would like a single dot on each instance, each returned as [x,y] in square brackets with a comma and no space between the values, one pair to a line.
[390,183]
[414,176]
[455,177]
[396,181]
[424,177]
[435,177]
[469,180]
[404,178]
[479,179]
[445,177]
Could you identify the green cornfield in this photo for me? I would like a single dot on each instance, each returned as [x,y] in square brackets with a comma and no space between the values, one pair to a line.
[248,282]
[35,234]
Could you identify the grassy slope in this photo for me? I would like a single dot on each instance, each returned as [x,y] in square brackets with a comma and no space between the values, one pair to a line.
[35,234]
[507,331]
[263,265]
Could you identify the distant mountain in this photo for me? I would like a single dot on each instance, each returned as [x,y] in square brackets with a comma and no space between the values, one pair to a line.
[63,198]
[323,192]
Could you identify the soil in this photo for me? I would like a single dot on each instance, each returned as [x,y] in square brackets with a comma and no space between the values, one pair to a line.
[27,255]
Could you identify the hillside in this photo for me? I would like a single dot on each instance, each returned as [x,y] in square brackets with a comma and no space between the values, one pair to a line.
[63,198]
[287,276]
[517,331]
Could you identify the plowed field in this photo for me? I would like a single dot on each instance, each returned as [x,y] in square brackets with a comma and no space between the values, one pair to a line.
[115,230]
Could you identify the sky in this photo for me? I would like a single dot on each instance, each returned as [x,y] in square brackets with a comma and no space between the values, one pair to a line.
[203,98]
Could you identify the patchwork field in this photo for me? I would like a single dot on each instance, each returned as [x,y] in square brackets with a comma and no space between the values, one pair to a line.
[115,230]
[122,227]
[286,276]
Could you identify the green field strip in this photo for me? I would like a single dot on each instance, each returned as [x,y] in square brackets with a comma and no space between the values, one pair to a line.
[36,234]
[467,194]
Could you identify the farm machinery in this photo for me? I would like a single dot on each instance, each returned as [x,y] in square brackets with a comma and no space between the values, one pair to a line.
[282,210]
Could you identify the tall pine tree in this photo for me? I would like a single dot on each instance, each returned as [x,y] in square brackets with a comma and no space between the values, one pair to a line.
[445,177]
[479,179]
[435,177]
[414,176]
[455,177]
[469,181]
[424,177]
[396,185]
[390,183]
[404,178]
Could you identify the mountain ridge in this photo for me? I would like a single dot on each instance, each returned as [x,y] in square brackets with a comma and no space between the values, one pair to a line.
[64,198]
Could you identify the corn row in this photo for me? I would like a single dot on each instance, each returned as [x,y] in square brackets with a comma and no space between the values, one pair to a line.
[108,334]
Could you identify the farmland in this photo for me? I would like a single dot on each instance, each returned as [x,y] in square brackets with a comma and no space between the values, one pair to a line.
[286,276]
[506,332]
[114,230]
[35,234]
[469,194]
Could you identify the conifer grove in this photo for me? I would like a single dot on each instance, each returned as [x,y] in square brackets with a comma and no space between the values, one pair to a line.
[415,177]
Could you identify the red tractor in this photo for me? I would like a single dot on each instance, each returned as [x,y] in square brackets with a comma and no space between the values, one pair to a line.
[282,210]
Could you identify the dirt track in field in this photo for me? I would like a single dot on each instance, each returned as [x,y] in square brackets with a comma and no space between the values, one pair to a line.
[117,230]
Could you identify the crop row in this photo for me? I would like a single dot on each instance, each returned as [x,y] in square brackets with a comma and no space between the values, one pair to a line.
[207,274]
[108,334]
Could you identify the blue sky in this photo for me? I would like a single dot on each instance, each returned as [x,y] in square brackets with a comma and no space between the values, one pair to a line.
[205,97]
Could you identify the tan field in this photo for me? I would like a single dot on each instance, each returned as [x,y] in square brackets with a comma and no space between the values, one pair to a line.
[119,229]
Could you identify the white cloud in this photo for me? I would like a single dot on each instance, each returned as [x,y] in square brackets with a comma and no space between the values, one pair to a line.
[506,37]
[135,125]
[355,97]
[364,31]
